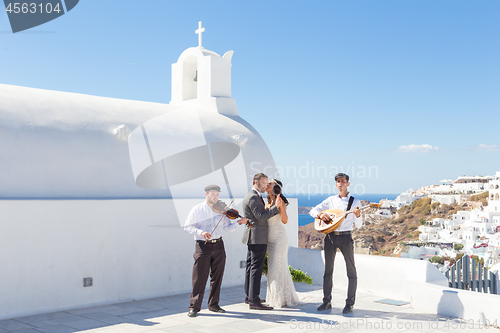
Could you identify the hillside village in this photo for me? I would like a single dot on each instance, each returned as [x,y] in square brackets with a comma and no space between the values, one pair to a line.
[438,222]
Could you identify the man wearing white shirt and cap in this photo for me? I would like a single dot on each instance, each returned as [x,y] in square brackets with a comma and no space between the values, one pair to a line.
[209,255]
[341,239]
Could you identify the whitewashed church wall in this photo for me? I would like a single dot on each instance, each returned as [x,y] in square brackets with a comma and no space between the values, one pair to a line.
[131,248]
[67,145]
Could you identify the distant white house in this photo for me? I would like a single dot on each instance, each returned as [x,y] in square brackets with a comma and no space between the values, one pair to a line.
[451,230]
[430,230]
[470,235]
[404,199]
[461,216]
[493,187]
[474,224]
[383,212]
[446,199]
[494,240]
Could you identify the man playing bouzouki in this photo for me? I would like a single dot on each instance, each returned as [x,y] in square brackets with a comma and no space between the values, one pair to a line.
[341,239]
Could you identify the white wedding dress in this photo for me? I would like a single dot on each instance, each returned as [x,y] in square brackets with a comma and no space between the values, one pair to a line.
[280,289]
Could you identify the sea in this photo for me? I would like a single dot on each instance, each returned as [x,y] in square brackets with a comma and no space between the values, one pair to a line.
[311,200]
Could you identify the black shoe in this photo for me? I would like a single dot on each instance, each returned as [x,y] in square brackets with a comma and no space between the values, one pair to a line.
[260,306]
[347,309]
[325,306]
[217,308]
[192,313]
[248,302]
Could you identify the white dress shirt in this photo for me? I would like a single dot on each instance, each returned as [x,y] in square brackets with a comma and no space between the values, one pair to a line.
[203,218]
[336,202]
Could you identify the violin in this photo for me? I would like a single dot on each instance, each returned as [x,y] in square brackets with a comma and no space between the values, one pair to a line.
[220,207]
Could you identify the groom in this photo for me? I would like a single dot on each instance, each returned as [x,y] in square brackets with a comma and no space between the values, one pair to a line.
[256,238]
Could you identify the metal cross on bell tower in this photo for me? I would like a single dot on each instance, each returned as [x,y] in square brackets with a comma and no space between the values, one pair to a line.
[198,32]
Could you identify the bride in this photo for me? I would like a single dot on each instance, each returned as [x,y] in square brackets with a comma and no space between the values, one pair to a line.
[280,289]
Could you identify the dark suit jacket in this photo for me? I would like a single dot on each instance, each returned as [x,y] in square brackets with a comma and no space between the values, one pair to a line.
[255,211]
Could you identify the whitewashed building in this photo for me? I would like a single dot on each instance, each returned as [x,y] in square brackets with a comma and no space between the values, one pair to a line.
[475,229]
[445,199]
[95,187]
[451,231]
[458,188]
[494,195]
[383,212]
[430,231]
[404,199]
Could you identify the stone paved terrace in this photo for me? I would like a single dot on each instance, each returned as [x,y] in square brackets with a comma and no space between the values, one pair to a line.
[169,314]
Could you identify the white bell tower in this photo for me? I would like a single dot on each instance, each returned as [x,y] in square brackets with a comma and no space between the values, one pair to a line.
[203,77]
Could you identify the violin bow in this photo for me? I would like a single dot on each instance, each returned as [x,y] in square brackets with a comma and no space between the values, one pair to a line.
[220,219]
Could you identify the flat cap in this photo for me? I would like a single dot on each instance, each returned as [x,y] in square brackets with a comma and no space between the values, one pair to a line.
[212,188]
[341,175]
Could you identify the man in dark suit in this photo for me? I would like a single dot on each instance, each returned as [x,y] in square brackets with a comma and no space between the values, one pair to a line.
[255,236]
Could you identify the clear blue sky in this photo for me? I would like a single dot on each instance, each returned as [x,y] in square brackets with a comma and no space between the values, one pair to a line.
[333,84]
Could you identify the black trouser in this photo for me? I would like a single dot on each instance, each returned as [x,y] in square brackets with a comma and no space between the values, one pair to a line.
[346,246]
[208,258]
[255,263]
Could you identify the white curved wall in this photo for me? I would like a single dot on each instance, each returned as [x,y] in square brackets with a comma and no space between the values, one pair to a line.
[133,249]
[63,145]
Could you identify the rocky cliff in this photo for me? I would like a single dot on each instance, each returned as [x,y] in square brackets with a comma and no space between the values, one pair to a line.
[380,235]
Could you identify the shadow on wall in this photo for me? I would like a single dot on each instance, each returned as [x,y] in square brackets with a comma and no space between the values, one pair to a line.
[450,304]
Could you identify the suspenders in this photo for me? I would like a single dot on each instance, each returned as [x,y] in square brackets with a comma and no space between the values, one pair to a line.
[351,200]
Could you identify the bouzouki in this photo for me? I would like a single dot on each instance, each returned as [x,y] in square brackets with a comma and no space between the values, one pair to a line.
[337,216]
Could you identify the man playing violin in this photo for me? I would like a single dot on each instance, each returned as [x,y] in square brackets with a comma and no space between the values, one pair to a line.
[209,255]
[339,239]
